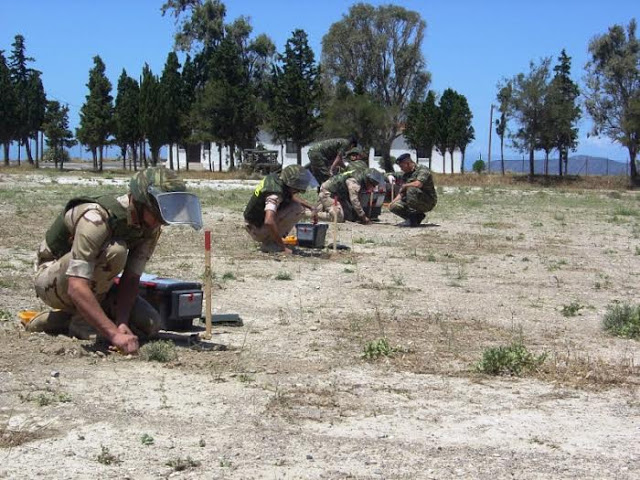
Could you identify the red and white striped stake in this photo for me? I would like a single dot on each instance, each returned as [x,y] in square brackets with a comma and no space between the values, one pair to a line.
[207,284]
[335,224]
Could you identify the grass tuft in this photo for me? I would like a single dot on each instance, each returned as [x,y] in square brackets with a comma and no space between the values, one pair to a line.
[514,359]
[159,351]
[622,320]
[378,348]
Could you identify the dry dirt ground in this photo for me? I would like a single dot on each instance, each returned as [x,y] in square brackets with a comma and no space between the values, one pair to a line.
[288,395]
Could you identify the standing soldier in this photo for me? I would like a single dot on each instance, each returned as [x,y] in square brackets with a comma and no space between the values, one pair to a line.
[92,241]
[326,156]
[416,195]
[340,195]
[275,207]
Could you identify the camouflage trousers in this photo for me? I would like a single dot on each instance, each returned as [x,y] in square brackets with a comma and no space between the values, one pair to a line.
[286,218]
[330,208]
[52,286]
[414,202]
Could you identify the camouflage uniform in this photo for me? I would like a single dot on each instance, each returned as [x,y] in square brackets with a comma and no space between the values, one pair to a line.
[346,188]
[271,194]
[323,153]
[98,255]
[415,202]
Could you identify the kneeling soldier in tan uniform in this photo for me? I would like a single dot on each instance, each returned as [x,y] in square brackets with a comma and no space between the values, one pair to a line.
[92,241]
[340,195]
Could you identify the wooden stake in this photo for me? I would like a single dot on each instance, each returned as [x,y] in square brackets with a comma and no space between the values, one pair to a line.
[335,224]
[207,284]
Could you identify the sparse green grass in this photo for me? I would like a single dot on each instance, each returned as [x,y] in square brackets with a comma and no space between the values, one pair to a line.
[180,464]
[378,348]
[514,359]
[363,241]
[105,457]
[572,309]
[159,351]
[348,270]
[283,276]
[622,320]
[146,439]
[5,315]
[228,276]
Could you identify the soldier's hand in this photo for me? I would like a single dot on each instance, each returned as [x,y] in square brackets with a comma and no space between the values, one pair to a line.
[128,343]
[124,328]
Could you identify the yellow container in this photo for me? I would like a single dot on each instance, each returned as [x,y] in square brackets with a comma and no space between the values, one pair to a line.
[290,240]
[26,316]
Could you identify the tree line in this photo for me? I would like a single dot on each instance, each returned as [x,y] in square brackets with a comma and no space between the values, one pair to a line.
[370,82]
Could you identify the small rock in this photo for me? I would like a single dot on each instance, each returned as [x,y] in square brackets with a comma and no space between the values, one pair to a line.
[100,354]
[309,457]
[55,374]
[313,329]
[271,372]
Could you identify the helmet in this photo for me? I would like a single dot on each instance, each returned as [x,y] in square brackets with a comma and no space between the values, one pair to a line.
[160,189]
[374,176]
[401,158]
[298,178]
[353,151]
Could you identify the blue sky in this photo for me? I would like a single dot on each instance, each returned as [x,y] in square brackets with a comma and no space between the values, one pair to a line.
[469,45]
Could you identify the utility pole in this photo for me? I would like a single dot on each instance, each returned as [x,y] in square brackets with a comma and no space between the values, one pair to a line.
[490,129]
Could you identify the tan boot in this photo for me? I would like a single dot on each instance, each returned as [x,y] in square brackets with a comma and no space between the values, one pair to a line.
[50,321]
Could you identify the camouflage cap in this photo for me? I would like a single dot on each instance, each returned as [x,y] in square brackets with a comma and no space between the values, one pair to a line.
[155,178]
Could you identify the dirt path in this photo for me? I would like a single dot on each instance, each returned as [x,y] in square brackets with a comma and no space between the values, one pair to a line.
[290,396]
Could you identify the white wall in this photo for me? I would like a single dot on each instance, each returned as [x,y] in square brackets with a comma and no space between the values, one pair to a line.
[399,147]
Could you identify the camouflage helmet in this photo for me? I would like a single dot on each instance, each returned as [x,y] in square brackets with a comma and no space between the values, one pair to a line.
[298,178]
[155,179]
[374,176]
[160,190]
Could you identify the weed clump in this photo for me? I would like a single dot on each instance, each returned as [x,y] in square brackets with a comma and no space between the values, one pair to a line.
[180,464]
[159,351]
[514,359]
[107,458]
[378,348]
[622,320]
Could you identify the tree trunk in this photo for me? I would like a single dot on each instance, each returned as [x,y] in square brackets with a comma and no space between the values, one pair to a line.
[37,151]
[19,151]
[385,147]
[532,168]
[633,169]
[452,169]
[298,154]
[5,147]
[61,160]
[220,157]
[462,162]
[560,156]
[502,153]
[100,154]
[232,160]
[171,156]
[94,156]
[546,163]
[27,147]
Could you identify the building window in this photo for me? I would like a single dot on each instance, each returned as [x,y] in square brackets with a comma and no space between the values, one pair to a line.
[291,147]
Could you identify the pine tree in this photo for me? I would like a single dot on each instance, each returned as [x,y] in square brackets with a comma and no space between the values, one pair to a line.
[56,129]
[96,115]
[152,113]
[127,117]
[8,106]
[296,94]
[174,102]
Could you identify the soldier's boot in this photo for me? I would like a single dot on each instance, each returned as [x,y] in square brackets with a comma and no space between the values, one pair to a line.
[50,321]
[415,219]
[80,329]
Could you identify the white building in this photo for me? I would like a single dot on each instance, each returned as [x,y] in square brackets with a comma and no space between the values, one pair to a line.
[210,157]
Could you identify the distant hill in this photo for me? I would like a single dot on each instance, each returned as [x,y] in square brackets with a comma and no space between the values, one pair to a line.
[577,165]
